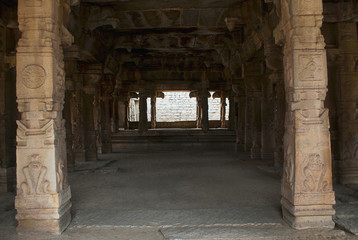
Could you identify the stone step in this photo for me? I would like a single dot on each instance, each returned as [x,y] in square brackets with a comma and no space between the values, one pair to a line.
[172,139]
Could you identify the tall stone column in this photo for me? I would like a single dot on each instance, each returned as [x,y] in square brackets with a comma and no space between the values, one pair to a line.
[126,115]
[115,113]
[89,123]
[204,102]
[347,117]
[76,105]
[307,194]
[43,194]
[198,112]
[143,116]
[249,117]
[222,109]
[240,104]
[153,111]
[256,126]
[232,111]
[97,118]
[280,110]
[7,128]
[267,120]
[106,97]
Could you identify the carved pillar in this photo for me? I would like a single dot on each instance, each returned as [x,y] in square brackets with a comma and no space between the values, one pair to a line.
[8,116]
[89,124]
[126,107]
[143,116]
[249,117]
[222,109]
[256,126]
[106,92]
[198,112]
[76,105]
[280,110]
[70,57]
[267,120]
[204,102]
[307,195]
[273,60]
[240,105]
[43,194]
[115,113]
[232,111]
[68,125]
[153,110]
[97,120]
[347,117]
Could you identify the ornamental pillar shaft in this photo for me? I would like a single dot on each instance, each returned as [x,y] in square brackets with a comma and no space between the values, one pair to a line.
[347,108]
[143,116]
[307,194]
[43,194]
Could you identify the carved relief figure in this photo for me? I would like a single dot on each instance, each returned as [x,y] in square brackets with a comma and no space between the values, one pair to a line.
[289,165]
[314,173]
[59,174]
[350,152]
[35,173]
[311,70]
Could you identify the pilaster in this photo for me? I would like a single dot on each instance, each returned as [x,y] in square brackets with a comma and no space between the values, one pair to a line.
[43,194]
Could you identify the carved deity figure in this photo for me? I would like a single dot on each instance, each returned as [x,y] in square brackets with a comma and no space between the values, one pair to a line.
[314,172]
[35,173]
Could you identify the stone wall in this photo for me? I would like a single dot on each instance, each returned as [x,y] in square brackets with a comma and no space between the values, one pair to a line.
[177,106]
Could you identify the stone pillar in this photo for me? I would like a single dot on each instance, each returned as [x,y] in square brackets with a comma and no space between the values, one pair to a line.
[232,112]
[126,107]
[7,128]
[143,116]
[256,126]
[222,109]
[347,117]
[280,110]
[115,113]
[68,125]
[198,112]
[71,55]
[97,119]
[249,117]
[204,102]
[153,111]
[307,194]
[240,105]
[76,105]
[89,124]
[106,92]
[267,120]
[43,194]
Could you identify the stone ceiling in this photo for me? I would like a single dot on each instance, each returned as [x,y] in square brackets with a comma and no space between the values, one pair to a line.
[169,41]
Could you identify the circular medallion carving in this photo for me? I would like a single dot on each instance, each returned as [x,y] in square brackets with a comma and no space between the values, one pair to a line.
[33,76]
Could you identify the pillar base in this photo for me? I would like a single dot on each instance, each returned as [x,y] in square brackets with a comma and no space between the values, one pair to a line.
[348,173]
[80,156]
[43,213]
[7,179]
[308,216]
[267,156]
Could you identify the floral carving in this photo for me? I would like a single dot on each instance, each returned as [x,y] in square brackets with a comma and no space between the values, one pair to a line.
[33,76]
[35,173]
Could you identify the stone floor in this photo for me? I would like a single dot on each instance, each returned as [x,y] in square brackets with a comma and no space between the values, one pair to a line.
[180,195]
